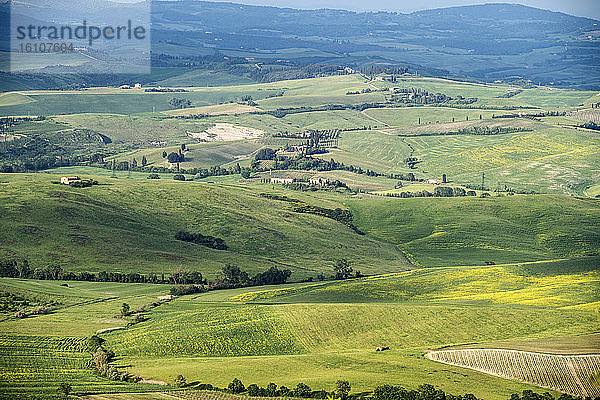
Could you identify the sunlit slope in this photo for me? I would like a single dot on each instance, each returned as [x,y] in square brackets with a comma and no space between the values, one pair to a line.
[318,332]
[128,225]
[515,284]
[473,231]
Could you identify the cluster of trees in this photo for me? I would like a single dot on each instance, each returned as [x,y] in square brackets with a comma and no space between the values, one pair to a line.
[307,187]
[247,100]
[305,163]
[343,216]
[272,390]
[533,115]
[265,154]
[183,290]
[420,96]
[44,150]
[342,391]
[174,157]
[178,102]
[486,130]
[233,277]
[15,302]
[373,70]
[84,183]
[590,125]
[363,91]
[531,395]
[337,214]
[474,130]
[343,270]
[439,191]
[101,359]
[423,392]
[198,238]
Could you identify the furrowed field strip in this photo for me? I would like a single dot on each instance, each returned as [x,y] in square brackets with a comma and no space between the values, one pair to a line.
[572,374]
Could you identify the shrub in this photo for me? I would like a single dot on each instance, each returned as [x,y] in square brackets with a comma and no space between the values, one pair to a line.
[198,238]
[153,176]
[65,388]
[179,177]
[236,386]
[182,290]
[180,381]
[83,184]
[265,154]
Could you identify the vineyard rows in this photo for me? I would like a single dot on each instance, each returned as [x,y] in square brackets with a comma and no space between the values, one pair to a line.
[590,115]
[572,374]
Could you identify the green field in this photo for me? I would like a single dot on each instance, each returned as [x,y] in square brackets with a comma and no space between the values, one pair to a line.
[471,231]
[312,333]
[336,327]
[115,226]
[515,271]
[550,160]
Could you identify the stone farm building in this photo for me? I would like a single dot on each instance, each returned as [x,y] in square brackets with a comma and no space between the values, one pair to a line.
[67,180]
[282,180]
[434,181]
[319,181]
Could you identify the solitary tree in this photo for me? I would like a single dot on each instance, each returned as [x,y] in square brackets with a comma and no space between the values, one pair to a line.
[164,154]
[236,386]
[144,161]
[125,309]
[342,269]
[65,388]
[180,381]
[343,388]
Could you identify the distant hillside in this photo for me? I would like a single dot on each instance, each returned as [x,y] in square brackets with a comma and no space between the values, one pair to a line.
[486,42]
[492,41]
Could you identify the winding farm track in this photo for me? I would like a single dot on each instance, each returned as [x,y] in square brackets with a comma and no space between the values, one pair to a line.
[572,374]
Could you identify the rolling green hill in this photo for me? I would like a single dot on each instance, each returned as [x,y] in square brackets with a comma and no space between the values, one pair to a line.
[128,226]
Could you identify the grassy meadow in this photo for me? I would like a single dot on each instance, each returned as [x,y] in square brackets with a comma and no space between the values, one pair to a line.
[507,271]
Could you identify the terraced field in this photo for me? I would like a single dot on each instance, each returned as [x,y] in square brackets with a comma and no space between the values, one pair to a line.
[34,366]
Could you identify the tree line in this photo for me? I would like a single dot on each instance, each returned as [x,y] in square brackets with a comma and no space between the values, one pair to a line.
[343,388]
[231,275]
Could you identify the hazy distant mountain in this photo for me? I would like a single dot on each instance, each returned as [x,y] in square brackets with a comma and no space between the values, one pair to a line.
[492,41]
[489,41]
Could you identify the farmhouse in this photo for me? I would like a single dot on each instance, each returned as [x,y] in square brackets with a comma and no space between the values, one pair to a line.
[137,86]
[67,180]
[319,181]
[282,180]
[434,181]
